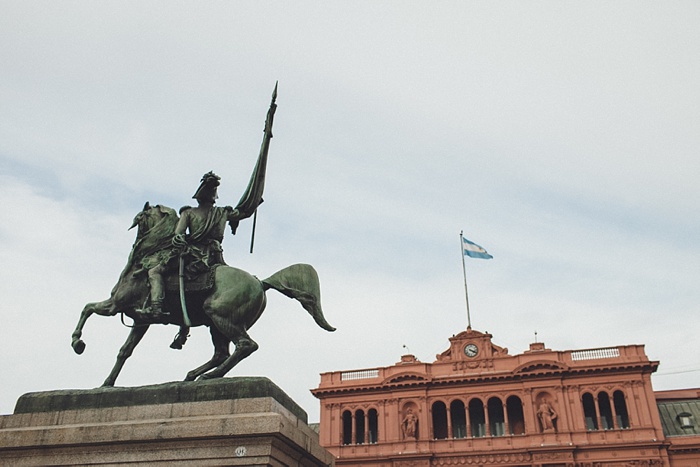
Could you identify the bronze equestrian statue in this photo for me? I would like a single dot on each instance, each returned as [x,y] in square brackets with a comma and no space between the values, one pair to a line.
[176,274]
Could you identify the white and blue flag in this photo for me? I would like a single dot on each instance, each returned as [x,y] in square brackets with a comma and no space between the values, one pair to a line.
[473,250]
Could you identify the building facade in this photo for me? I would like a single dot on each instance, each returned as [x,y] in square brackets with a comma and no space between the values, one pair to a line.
[478,405]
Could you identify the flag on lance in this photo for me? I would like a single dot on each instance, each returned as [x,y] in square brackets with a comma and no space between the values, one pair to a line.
[473,250]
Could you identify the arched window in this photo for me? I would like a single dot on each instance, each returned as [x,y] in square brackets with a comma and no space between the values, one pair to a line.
[439,420]
[623,419]
[606,418]
[477,419]
[347,427]
[516,419]
[373,426]
[496,418]
[458,416]
[360,427]
[589,412]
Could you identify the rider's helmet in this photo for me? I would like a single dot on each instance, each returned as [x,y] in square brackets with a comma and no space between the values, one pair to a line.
[207,187]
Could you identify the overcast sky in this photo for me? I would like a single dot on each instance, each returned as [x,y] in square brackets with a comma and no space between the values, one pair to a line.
[561,136]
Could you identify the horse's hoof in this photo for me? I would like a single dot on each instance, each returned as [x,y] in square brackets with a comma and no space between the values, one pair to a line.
[190,377]
[205,377]
[78,346]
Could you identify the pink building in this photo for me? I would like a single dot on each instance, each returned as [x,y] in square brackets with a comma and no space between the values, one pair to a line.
[478,405]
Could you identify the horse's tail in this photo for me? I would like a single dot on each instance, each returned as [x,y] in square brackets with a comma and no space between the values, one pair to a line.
[300,282]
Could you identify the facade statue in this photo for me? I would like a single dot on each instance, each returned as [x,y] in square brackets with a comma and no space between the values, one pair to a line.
[176,274]
[409,425]
[547,416]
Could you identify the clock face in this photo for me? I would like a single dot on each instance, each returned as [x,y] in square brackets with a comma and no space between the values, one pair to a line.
[471,350]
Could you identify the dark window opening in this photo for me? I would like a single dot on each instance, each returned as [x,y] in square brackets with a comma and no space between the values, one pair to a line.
[439,420]
[516,419]
[373,426]
[623,419]
[477,419]
[359,427]
[589,412]
[347,427]
[459,419]
[496,418]
[606,418]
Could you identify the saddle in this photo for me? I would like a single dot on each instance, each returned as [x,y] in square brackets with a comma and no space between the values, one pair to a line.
[193,283]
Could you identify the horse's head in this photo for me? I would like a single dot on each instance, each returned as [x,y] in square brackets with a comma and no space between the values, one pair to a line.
[149,217]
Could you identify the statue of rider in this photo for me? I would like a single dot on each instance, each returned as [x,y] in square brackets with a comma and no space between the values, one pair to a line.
[198,236]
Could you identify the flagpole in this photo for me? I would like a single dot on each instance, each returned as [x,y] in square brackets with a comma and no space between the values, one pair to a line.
[464,272]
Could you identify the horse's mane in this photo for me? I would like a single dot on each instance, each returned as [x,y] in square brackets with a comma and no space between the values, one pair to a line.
[159,234]
[155,232]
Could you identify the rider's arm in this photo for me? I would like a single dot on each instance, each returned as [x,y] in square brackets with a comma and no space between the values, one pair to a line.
[233,217]
[181,228]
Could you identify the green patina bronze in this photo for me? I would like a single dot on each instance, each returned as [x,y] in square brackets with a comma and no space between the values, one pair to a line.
[176,274]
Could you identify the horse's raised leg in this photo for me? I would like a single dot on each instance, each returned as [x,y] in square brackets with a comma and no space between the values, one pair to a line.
[76,341]
[221,353]
[125,352]
[101,308]
[244,347]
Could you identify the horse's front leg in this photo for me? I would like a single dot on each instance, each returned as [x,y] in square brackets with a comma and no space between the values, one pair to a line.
[101,308]
[135,336]
[76,341]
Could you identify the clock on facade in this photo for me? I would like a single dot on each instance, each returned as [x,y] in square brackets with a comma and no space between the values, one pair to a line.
[471,350]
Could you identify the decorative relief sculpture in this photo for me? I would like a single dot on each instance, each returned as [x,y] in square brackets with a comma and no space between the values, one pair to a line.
[409,425]
[176,274]
[547,416]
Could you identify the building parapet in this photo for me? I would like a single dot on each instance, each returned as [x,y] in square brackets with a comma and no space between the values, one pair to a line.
[411,371]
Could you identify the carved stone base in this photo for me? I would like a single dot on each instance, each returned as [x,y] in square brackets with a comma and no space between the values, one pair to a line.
[229,421]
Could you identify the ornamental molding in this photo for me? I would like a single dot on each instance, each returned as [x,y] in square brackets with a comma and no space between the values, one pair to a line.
[411,377]
[540,366]
[551,456]
[483,459]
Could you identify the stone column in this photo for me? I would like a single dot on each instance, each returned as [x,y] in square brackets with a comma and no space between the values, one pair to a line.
[529,415]
[597,413]
[381,422]
[468,422]
[367,427]
[633,408]
[506,423]
[354,427]
[487,423]
[449,422]
[614,413]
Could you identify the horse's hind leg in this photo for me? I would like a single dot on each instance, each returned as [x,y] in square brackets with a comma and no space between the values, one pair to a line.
[221,353]
[244,347]
[125,352]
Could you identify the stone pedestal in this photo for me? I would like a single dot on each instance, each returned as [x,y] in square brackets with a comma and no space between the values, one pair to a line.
[229,421]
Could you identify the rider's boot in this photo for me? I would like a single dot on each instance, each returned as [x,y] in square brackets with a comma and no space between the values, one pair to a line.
[181,338]
[155,309]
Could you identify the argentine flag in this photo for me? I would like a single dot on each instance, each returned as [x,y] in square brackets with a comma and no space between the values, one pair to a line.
[473,250]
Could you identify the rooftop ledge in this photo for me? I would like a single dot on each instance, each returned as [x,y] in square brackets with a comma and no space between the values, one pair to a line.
[534,360]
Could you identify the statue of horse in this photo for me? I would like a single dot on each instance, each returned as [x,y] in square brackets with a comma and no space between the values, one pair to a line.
[234,303]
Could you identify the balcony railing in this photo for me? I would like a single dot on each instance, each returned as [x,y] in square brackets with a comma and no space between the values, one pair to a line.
[595,354]
[359,374]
